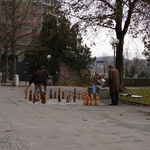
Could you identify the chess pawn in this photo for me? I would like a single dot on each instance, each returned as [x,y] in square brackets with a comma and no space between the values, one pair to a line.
[59,95]
[33,99]
[70,96]
[67,99]
[50,94]
[63,95]
[30,95]
[55,95]
[97,100]
[26,94]
[38,96]
[74,95]
[84,101]
[46,95]
[92,99]
[88,101]
[44,98]
[87,98]
[80,95]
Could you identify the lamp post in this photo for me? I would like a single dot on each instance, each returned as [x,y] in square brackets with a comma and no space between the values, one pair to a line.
[48,58]
[114,42]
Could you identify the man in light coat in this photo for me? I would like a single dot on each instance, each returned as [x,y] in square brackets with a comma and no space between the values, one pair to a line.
[114,84]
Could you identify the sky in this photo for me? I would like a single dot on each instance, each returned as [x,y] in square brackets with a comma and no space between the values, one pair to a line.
[102,47]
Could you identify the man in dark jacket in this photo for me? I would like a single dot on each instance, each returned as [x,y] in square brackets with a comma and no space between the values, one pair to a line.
[38,81]
[114,84]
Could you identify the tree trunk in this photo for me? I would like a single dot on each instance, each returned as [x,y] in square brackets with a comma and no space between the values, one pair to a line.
[6,65]
[14,64]
[119,61]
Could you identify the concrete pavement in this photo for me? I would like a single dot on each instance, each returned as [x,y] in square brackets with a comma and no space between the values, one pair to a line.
[62,126]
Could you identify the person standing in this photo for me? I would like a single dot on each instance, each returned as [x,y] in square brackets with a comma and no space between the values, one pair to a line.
[114,84]
[38,80]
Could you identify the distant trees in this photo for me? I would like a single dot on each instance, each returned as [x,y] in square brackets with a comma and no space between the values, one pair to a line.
[64,43]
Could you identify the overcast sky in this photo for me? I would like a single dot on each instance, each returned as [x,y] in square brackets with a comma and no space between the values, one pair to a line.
[102,47]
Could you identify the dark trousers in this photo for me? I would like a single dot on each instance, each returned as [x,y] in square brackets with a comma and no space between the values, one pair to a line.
[114,98]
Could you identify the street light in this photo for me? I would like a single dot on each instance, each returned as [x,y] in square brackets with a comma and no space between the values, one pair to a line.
[48,57]
[114,42]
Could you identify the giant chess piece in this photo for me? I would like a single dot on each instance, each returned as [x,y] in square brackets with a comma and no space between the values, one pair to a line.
[55,95]
[59,95]
[92,99]
[74,95]
[63,95]
[89,101]
[33,100]
[44,98]
[97,100]
[84,101]
[50,94]
[80,95]
[87,98]
[26,94]
[38,96]
[70,96]
[67,99]
[30,95]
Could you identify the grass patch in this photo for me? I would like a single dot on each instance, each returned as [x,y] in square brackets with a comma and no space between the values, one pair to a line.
[141,92]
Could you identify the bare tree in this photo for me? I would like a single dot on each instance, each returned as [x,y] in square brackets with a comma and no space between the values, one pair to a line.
[122,16]
[16,28]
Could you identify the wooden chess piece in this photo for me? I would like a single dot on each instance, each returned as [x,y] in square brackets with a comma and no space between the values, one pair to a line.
[84,101]
[67,99]
[38,96]
[33,99]
[30,95]
[55,95]
[63,95]
[74,95]
[26,94]
[50,94]
[44,98]
[59,95]
[80,95]
[88,101]
[97,100]
[70,96]
[92,99]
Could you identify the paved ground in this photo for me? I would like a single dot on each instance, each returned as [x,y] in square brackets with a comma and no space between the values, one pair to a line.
[61,126]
